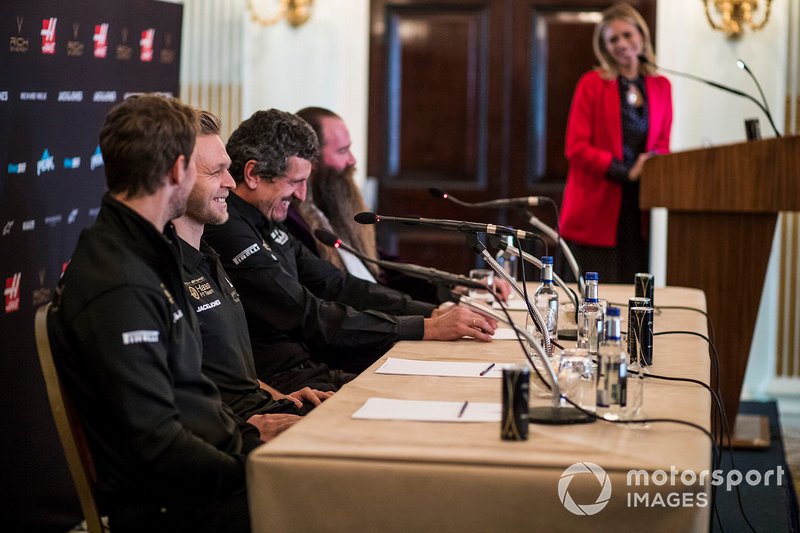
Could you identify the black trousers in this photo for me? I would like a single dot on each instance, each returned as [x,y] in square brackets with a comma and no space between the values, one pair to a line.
[226,515]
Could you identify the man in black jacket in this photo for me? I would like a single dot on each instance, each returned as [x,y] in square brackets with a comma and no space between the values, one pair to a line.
[169,454]
[227,355]
[303,313]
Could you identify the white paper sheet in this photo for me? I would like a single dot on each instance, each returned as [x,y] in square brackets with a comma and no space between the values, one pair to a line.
[505,334]
[459,369]
[514,304]
[427,411]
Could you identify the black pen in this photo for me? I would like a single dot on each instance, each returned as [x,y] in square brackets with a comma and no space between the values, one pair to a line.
[463,408]
[486,370]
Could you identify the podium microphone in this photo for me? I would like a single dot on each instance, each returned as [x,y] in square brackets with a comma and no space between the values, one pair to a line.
[431,275]
[725,88]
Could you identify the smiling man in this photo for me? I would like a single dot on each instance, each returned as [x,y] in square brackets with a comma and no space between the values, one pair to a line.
[310,323]
[169,453]
[227,354]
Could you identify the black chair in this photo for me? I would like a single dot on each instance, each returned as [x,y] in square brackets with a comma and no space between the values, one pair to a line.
[70,430]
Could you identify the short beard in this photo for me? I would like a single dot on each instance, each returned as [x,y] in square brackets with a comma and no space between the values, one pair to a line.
[335,193]
[197,209]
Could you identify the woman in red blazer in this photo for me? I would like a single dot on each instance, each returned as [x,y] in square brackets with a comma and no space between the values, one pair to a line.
[621,115]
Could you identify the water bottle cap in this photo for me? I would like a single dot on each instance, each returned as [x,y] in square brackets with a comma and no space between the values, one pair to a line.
[547,259]
[612,311]
[592,276]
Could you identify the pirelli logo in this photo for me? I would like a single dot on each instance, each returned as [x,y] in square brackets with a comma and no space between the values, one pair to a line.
[246,253]
[140,336]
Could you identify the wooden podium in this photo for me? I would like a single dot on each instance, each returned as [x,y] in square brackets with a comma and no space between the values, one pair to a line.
[723,204]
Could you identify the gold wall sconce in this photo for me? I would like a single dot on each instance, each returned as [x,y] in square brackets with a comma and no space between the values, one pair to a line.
[296,12]
[734,15]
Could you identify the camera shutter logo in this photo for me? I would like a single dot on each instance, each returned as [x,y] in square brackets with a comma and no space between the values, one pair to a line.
[602,498]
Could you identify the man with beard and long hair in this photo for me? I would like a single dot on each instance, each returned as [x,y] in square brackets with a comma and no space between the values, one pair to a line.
[333,198]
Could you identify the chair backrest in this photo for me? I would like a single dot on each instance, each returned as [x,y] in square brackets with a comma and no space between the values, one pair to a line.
[68,425]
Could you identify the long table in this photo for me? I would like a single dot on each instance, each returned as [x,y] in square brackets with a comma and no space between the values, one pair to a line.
[331,472]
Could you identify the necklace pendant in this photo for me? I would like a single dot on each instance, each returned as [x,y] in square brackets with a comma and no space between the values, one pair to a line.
[632,97]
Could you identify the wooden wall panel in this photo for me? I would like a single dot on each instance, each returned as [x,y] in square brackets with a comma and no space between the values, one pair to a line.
[472,96]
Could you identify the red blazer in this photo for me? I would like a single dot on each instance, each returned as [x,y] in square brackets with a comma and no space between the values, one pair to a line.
[591,203]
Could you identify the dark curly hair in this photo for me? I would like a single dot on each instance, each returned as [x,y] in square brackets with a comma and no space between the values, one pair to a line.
[269,138]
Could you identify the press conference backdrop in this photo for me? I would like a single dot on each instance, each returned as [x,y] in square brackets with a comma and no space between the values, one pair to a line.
[63,66]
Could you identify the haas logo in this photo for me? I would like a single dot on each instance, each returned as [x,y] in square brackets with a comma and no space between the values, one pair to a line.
[146,42]
[100,40]
[49,35]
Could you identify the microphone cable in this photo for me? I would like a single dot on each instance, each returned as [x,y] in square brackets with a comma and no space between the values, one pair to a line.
[715,395]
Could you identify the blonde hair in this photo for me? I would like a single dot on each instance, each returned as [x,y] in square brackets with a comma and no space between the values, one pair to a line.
[626,12]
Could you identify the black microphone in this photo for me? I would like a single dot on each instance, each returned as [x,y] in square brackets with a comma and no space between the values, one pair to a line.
[522,201]
[367,217]
[643,59]
[427,273]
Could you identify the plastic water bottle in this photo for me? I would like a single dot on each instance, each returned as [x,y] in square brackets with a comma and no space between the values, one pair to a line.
[546,298]
[590,316]
[507,260]
[612,370]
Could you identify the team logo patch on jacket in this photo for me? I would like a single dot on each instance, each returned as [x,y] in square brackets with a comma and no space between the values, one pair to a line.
[244,254]
[279,236]
[140,336]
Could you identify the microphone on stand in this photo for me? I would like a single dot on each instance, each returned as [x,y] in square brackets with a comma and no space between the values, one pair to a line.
[528,258]
[429,274]
[762,107]
[524,201]
[474,243]
[367,217]
[533,221]
[552,414]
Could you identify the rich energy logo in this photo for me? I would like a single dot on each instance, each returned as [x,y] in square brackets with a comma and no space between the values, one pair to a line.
[43,294]
[100,40]
[12,292]
[45,164]
[49,35]
[75,47]
[124,51]
[28,225]
[7,227]
[3,96]
[146,44]
[19,44]
[17,168]
[167,53]
[73,216]
[97,159]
